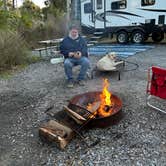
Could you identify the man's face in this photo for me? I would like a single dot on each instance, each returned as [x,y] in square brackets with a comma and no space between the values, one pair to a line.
[74,33]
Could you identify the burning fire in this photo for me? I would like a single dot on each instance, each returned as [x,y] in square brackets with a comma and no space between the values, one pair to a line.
[105,98]
[103,107]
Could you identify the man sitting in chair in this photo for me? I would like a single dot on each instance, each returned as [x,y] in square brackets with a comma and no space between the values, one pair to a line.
[74,49]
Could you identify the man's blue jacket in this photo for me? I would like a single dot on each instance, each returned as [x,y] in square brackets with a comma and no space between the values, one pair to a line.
[70,45]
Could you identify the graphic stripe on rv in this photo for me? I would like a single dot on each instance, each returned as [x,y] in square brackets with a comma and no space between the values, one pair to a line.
[126,13]
[100,16]
[154,10]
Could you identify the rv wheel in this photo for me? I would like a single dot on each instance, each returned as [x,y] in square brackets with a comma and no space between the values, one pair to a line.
[138,37]
[122,37]
[157,36]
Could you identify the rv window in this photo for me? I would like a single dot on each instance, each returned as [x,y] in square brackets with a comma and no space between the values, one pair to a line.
[88,8]
[118,5]
[99,4]
[147,2]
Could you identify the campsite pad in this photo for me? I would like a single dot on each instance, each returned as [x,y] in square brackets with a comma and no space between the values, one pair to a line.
[121,50]
[101,49]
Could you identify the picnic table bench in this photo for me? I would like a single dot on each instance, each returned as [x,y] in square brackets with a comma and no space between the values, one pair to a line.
[52,44]
[46,49]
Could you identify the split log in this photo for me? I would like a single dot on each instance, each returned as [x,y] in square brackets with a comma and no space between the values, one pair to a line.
[53,131]
[78,118]
[94,106]
[80,114]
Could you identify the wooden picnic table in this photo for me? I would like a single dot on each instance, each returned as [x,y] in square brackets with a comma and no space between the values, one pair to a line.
[48,44]
[52,41]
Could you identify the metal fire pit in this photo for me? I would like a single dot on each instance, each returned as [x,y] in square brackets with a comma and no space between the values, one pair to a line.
[82,100]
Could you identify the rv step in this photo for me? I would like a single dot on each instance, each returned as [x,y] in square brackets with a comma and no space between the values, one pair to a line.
[90,44]
[93,42]
[98,33]
[95,37]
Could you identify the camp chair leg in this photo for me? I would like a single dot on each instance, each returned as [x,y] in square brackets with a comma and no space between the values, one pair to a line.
[152,106]
[119,75]
[88,74]
[92,72]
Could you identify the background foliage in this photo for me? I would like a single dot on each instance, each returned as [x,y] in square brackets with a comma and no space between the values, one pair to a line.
[28,24]
[13,50]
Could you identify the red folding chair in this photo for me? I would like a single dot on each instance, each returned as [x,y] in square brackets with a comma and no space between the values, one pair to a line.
[156,86]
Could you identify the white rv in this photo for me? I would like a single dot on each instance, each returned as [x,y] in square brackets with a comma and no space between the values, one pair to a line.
[133,20]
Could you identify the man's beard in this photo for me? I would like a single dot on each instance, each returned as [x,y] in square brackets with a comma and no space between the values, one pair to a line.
[73,37]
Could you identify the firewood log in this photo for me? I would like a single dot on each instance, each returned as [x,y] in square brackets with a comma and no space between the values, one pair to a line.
[78,118]
[94,106]
[53,131]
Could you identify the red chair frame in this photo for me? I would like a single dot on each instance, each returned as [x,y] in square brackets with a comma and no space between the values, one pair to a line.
[156,85]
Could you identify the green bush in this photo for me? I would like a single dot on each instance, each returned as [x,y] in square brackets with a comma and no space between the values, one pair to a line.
[13,49]
[53,27]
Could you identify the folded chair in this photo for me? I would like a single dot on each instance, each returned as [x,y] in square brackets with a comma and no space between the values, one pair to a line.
[156,86]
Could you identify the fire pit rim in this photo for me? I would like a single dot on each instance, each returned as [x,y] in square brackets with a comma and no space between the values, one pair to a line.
[72,101]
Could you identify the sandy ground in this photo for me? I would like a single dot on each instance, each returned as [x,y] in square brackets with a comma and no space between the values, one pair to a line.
[139,139]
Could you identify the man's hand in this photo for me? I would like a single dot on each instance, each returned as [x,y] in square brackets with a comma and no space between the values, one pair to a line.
[71,54]
[78,55]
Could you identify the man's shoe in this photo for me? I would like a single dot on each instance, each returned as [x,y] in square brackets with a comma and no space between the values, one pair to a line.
[70,84]
[81,82]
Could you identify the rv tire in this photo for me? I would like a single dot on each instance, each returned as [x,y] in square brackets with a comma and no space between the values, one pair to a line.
[122,37]
[138,37]
[157,36]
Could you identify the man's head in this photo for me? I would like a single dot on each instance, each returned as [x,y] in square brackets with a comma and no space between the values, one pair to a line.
[73,32]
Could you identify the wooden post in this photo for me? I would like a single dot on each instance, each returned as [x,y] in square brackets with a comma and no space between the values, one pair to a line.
[13,4]
[68,7]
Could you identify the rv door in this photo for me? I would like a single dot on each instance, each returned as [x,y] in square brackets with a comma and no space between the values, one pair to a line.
[99,10]
[87,14]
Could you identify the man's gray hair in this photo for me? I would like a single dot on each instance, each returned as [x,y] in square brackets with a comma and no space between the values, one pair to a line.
[74,27]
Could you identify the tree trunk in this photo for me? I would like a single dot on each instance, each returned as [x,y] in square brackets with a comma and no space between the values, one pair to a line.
[5,4]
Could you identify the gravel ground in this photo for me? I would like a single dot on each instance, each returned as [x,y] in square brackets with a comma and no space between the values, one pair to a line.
[139,139]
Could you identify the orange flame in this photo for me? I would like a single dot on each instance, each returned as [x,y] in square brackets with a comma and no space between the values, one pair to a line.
[102,107]
[105,98]
[92,107]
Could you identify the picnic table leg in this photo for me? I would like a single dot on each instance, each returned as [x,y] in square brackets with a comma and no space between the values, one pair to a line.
[46,50]
[40,53]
